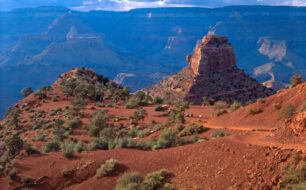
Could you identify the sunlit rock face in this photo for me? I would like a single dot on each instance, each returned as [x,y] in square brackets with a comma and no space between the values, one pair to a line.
[212,72]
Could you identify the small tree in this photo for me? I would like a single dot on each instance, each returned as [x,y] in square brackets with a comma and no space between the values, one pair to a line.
[296,79]
[27,91]
[208,101]
[42,92]
[14,145]
[13,118]
[68,86]
[140,114]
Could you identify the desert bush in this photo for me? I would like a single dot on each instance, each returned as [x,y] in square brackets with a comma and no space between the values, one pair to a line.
[194,138]
[78,102]
[219,133]
[169,138]
[261,100]
[182,106]
[68,86]
[98,122]
[74,123]
[59,132]
[13,174]
[219,108]
[154,180]
[147,144]
[52,146]
[236,105]
[208,101]
[277,106]
[133,103]
[129,181]
[26,180]
[27,91]
[287,111]
[32,150]
[296,79]
[13,117]
[254,111]
[108,133]
[126,143]
[80,146]
[294,175]
[192,129]
[107,168]
[176,116]
[68,150]
[42,92]
[159,108]
[157,100]
[98,143]
[140,114]
[14,144]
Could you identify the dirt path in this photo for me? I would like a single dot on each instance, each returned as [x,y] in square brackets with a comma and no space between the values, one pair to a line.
[259,137]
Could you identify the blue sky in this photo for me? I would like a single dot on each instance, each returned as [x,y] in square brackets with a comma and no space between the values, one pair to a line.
[121,5]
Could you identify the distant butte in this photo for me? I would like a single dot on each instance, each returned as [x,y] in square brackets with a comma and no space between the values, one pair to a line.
[212,72]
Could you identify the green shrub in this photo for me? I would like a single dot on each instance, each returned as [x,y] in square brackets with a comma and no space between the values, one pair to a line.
[254,111]
[261,100]
[219,133]
[32,150]
[26,180]
[277,106]
[140,114]
[129,181]
[294,174]
[14,144]
[296,79]
[287,111]
[236,105]
[176,116]
[208,102]
[219,108]
[132,104]
[98,143]
[74,123]
[159,108]
[194,138]
[192,129]
[157,100]
[68,150]
[52,146]
[107,168]
[154,180]
[169,138]
[13,174]
[98,122]
[78,102]
[80,146]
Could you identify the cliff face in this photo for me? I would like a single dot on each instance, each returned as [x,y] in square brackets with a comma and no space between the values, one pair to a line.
[212,72]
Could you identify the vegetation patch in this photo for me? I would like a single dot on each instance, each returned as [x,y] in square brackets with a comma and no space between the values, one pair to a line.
[219,133]
[287,111]
[107,168]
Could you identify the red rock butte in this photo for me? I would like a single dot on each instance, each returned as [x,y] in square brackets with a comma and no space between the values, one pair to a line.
[212,72]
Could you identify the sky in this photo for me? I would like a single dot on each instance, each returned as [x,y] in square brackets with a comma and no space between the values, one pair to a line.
[124,5]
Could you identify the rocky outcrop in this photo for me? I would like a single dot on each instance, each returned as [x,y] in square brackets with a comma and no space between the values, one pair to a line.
[298,124]
[212,72]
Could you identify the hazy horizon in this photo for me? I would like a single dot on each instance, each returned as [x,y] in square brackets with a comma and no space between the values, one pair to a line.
[124,5]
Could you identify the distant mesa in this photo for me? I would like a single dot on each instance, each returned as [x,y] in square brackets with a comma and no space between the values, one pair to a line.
[212,72]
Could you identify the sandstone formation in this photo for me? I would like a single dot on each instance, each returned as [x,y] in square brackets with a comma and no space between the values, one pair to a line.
[212,72]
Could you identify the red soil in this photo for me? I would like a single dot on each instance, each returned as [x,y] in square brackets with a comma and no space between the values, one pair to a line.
[248,159]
